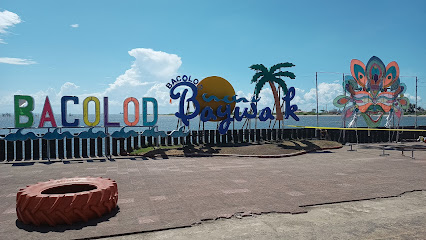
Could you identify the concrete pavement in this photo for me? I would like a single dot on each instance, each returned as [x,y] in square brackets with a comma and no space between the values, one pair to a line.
[177,192]
[385,218]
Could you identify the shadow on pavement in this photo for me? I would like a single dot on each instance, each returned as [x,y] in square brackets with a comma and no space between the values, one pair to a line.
[309,146]
[206,149]
[326,151]
[63,228]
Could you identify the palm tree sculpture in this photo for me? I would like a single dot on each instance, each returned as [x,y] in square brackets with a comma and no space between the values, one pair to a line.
[272,76]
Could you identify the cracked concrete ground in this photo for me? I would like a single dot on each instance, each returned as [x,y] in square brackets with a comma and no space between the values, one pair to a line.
[401,217]
[157,194]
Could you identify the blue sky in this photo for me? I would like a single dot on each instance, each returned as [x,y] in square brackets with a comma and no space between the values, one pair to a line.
[126,49]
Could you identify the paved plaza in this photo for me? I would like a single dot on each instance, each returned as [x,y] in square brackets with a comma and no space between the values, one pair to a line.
[167,193]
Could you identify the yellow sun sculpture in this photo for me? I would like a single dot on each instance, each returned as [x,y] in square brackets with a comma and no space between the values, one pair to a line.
[215,86]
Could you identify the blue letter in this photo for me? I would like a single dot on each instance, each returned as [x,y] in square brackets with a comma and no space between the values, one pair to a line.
[237,113]
[181,114]
[290,109]
[265,114]
[224,125]
[64,101]
[245,113]
[207,114]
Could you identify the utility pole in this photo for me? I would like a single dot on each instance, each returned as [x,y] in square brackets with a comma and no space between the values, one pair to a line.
[316,89]
[415,109]
[344,91]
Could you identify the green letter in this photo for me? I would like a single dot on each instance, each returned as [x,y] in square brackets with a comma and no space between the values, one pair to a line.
[23,111]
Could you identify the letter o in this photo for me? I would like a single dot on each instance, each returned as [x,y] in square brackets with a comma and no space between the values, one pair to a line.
[97,111]
[126,111]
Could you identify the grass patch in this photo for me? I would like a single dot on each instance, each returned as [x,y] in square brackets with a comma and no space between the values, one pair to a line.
[141,151]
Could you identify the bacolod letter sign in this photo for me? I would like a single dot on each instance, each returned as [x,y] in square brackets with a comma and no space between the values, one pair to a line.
[24,106]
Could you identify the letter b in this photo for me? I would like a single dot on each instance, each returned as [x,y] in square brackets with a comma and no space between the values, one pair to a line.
[23,111]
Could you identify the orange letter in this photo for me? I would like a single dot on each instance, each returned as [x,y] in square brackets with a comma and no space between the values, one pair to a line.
[126,111]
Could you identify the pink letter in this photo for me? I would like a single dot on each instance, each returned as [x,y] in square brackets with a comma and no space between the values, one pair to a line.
[47,109]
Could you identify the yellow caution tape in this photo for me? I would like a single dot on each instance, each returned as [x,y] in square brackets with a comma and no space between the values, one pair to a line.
[363,129]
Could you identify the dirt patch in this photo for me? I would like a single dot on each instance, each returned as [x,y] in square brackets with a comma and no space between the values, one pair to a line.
[247,149]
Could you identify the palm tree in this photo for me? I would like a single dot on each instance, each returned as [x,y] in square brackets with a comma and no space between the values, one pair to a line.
[272,76]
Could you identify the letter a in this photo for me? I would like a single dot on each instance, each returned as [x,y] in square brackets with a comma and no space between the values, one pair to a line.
[47,109]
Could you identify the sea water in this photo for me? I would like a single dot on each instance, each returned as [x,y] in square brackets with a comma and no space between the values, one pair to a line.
[170,123]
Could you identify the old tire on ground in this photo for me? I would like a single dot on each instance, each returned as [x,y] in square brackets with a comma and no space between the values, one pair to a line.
[66,201]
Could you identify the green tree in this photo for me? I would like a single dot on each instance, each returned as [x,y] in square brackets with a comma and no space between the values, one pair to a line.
[411,109]
[273,75]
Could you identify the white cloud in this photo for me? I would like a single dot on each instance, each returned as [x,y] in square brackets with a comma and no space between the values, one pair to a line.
[413,98]
[305,100]
[67,89]
[16,61]
[146,77]
[74,25]
[7,20]
[327,92]
[266,99]
[265,95]
[161,93]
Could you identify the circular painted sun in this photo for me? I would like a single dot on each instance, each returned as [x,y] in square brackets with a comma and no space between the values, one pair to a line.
[218,87]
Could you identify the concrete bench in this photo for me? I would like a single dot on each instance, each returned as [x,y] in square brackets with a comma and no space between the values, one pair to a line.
[351,144]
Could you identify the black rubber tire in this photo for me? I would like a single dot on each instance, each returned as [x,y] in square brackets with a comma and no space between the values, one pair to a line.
[66,201]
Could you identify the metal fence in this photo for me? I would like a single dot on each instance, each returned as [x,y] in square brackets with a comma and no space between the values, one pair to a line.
[77,148]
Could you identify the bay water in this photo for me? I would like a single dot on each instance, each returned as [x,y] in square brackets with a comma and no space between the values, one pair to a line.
[170,122]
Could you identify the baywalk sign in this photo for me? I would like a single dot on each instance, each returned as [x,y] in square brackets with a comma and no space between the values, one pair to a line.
[225,112]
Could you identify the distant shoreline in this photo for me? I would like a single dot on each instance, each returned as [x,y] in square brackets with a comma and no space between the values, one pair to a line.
[330,115]
[172,114]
